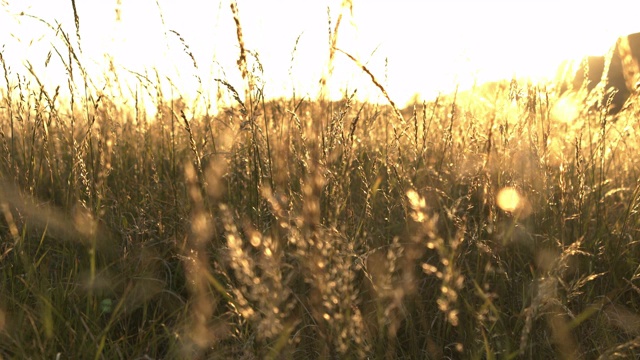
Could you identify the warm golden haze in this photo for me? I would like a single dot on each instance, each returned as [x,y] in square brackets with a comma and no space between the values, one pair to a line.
[413,47]
[181,206]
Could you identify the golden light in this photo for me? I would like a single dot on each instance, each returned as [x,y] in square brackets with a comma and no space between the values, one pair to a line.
[412,47]
[508,199]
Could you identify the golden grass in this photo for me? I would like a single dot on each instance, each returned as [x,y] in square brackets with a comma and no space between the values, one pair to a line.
[474,226]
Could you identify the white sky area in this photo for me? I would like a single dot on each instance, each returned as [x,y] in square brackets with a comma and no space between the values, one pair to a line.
[427,46]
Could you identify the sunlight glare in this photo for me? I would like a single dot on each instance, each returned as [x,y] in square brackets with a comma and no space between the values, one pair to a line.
[508,199]
[423,48]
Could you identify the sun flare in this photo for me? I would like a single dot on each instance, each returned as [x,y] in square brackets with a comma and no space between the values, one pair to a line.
[413,48]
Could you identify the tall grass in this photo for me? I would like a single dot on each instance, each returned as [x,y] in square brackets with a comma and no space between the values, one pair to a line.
[474,226]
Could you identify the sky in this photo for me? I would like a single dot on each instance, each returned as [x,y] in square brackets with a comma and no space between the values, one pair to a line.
[412,47]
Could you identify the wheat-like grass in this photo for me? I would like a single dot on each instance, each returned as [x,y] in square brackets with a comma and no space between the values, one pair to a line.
[482,227]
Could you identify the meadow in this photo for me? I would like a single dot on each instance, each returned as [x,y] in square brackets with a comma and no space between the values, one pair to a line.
[478,225]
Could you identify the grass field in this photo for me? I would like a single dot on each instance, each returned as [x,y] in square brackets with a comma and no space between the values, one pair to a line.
[475,226]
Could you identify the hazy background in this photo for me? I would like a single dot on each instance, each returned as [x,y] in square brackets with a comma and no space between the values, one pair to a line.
[412,46]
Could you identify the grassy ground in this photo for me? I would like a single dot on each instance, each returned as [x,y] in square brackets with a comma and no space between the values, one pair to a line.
[476,226]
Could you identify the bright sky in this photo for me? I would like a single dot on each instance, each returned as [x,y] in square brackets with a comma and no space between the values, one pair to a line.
[428,46]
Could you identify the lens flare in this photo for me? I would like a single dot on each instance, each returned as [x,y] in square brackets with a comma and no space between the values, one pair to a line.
[508,199]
